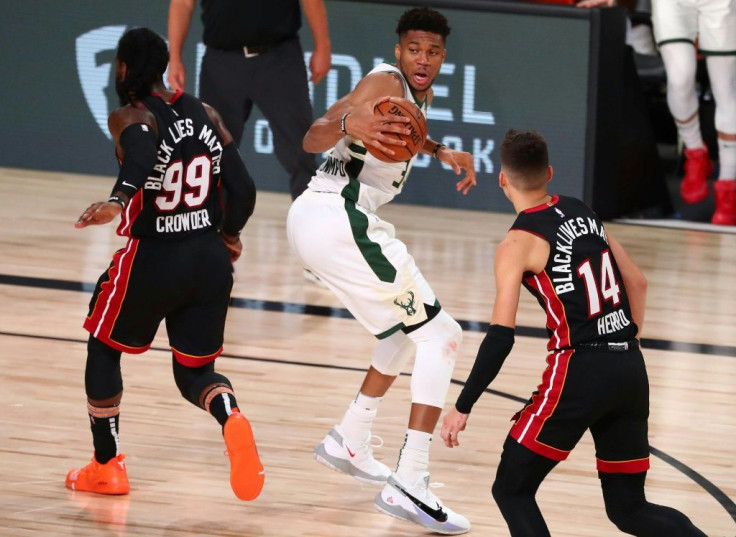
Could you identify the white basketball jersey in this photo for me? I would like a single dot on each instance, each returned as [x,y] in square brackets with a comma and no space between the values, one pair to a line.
[359,176]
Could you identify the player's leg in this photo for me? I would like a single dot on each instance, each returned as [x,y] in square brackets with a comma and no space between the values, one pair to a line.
[518,477]
[103,381]
[283,97]
[226,79]
[124,314]
[196,332]
[676,28]
[622,453]
[628,508]
[406,494]
[348,446]
[722,73]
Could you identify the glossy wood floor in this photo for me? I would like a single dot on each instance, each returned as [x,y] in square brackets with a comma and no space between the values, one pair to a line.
[295,369]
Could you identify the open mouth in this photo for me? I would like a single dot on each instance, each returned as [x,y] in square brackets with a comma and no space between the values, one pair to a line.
[420,78]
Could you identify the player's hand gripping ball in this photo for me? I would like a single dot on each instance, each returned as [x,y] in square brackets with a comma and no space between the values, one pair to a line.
[417,126]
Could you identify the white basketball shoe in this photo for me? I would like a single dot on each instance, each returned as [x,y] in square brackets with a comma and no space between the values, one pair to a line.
[352,458]
[417,504]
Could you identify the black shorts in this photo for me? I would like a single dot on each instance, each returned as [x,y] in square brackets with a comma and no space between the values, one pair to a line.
[187,282]
[604,391]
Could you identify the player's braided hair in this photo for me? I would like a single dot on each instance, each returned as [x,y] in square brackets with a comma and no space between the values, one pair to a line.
[146,56]
[425,19]
[524,156]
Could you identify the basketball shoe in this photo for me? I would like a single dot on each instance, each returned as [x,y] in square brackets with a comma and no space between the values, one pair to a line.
[415,503]
[108,478]
[725,213]
[246,471]
[352,458]
[698,167]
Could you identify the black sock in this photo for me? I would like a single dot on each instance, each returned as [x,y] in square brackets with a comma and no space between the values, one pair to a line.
[105,426]
[222,405]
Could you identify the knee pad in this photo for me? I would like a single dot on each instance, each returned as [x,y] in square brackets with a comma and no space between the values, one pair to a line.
[102,376]
[437,344]
[391,354]
[192,381]
[680,64]
[722,74]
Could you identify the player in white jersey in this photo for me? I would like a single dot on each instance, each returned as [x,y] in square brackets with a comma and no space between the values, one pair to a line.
[678,25]
[335,232]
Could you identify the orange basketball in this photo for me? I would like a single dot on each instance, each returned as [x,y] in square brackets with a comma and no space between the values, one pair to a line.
[417,126]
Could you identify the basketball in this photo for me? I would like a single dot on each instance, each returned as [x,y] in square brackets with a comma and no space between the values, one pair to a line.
[417,126]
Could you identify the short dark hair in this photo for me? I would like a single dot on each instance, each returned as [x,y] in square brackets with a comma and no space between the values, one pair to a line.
[146,56]
[424,19]
[524,159]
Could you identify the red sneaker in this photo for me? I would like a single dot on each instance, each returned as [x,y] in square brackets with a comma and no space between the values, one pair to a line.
[725,213]
[108,478]
[246,470]
[698,167]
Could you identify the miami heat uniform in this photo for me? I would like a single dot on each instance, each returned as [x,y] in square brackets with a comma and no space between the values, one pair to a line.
[174,265]
[595,377]
[335,232]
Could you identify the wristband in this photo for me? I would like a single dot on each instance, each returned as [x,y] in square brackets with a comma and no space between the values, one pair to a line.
[342,122]
[117,199]
[230,239]
[436,149]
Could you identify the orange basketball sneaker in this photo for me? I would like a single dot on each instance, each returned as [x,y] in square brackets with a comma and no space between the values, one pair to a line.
[246,470]
[108,478]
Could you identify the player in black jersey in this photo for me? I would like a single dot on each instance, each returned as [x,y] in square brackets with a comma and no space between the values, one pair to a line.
[594,297]
[175,156]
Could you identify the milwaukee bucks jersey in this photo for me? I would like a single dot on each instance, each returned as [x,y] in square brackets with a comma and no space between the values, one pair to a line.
[180,197]
[580,288]
[356,174]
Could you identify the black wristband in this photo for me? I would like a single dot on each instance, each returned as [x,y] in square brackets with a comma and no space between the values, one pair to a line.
[117,199]
[342,122]
[439,146]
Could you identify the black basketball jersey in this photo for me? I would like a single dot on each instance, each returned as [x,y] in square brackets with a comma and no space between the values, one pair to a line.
[580,288]
[180,196]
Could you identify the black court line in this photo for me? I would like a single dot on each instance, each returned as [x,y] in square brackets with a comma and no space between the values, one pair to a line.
[342,313]
[707,485]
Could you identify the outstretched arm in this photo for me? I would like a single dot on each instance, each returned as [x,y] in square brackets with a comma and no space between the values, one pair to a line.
[518,253]
[133,131]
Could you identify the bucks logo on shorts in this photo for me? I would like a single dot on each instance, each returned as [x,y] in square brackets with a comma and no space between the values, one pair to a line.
[408,304]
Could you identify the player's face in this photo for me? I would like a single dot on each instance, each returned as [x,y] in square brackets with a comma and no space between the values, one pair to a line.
[419,56]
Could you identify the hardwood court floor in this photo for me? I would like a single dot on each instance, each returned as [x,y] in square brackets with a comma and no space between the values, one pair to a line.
[296,359]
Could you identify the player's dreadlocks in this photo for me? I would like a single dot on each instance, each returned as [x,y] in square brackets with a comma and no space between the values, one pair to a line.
[146,56]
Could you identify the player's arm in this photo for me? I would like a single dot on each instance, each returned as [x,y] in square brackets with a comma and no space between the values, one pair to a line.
[457,160]
[180,18]
[321,60]
[134,132]
[352,115]
[634,281]
[518,253]
[240,190]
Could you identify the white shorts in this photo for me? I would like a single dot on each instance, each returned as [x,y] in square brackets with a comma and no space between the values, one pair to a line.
[712,22]
[357,255]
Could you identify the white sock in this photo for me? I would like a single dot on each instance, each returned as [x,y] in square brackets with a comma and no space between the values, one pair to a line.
[726,159]
[690,133]
[358,419]
[414,456]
